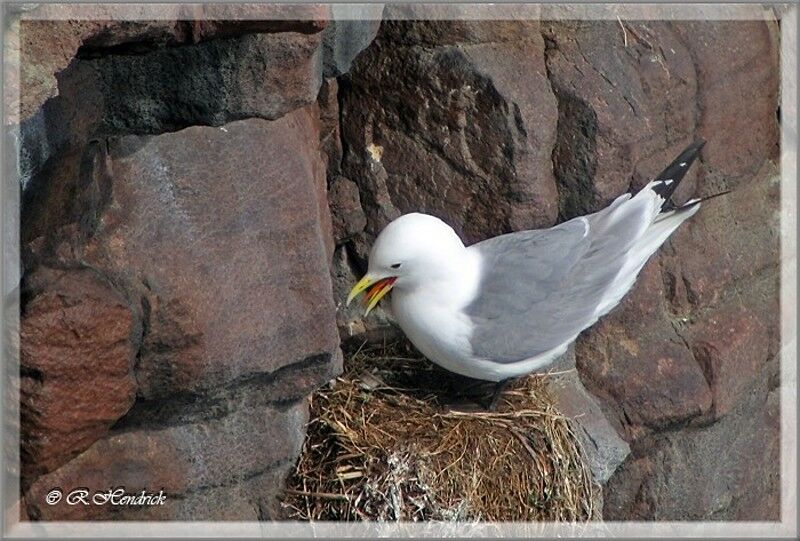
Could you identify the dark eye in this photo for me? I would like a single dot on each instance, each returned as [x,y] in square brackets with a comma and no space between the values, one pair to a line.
[396,266]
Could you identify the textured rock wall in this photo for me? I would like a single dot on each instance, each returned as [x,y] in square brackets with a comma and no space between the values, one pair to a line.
[200,196]
[496,126]
[177,241]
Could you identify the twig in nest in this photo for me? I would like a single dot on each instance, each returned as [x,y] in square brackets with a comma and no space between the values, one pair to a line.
[320,495]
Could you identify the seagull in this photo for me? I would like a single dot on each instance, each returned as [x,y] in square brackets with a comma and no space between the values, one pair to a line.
[511,305]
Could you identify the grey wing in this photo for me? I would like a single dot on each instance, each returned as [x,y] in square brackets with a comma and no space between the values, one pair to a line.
[540,288]
[522,269]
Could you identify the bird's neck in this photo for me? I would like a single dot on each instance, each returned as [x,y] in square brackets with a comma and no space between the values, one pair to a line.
[451,282]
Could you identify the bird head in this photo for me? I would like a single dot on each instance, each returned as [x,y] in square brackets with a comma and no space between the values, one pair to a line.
[411,250]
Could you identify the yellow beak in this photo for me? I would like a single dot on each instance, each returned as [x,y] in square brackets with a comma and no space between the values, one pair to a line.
[380,288]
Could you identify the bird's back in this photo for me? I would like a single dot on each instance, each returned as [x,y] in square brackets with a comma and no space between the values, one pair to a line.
[540,289]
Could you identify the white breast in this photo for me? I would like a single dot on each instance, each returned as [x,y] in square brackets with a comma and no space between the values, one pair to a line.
[439,332]
[431,316]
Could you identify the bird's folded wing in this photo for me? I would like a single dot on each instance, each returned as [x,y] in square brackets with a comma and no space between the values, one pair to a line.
[539,289]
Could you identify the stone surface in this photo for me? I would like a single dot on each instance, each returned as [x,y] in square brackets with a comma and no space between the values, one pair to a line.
[195,463]
[731,346]
[727,471]
[636,360]
[623,111]
[11,402]
[142,78]
[318,160]
[435,25]
[675,366]
[252,254]
[330,137]
[739,238]
[348,216]
[45,47]
[228,267]
[49,36]
[218,240]
[78,341]
[735,62]
[257,75]
[602,447]
[452,131]
[211,83]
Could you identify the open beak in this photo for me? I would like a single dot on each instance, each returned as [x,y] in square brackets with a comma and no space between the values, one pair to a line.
[377,290]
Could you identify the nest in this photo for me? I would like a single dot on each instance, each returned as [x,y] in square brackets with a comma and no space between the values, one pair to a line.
[386,443]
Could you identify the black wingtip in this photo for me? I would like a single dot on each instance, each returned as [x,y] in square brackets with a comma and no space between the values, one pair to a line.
[674,173]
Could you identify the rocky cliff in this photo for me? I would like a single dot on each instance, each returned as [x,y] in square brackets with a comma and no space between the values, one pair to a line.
[199,194]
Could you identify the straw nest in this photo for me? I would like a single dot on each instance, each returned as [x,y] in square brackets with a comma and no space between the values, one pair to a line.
[385,442]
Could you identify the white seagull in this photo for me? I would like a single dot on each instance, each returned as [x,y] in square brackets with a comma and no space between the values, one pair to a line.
[511,305]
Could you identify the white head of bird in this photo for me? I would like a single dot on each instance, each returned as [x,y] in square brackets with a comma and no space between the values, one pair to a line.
[413,251]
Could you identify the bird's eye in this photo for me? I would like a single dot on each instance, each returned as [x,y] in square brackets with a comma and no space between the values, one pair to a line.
[396,266]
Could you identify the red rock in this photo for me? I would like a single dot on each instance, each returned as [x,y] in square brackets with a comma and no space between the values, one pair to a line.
[622,110]
[47,46]
[193,462]
[321,197]
[733,239]
[78,341]
[408,24]
[51,35]
[348,216]
[730,470]
[233,274]
[635,359]
[330,134]
[603,448]
[251,250]
[211,83]
[224,20]
[454,132]
[658,366]
[220,240]
[261,68]
[732,346]
[532,188]
[735,64]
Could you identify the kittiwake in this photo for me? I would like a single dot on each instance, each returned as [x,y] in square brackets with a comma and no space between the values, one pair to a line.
[511,305]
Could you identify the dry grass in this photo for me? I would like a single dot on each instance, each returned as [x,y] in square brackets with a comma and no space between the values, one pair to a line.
[383,444]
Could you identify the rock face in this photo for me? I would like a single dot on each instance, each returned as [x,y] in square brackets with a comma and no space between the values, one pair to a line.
[242,245]
[450,130]
[230,283]
[692,349]
[77,359]
[211,83]
[685,369]
[50,36]
[177,246]
[193,460]
[189,239]
[255,75]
